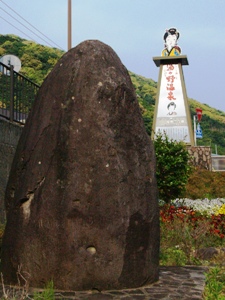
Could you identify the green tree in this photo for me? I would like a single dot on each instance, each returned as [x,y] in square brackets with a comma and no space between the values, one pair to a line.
[172,167]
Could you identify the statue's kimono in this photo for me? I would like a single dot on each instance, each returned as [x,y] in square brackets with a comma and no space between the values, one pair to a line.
[175,51]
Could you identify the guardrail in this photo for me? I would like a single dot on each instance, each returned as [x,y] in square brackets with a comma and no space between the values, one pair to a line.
[218,163]
[17,94]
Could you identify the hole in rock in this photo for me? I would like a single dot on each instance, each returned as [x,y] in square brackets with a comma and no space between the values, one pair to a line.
[76,203]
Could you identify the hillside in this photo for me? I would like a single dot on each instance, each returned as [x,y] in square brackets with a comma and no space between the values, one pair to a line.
[212,123]
[38,60]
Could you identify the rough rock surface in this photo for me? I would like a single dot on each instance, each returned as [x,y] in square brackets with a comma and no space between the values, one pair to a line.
[9,136]
[81,199]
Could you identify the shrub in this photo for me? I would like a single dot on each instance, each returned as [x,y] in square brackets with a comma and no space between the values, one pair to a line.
[172,167]
[173,257]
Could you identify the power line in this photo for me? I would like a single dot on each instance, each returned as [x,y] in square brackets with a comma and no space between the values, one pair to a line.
[30,25]
[23,26]
[16,28]
[27,27]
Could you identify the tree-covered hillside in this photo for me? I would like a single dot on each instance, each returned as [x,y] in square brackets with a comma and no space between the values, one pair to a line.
[38,60]
[146,90]
[213,126]
[212,123]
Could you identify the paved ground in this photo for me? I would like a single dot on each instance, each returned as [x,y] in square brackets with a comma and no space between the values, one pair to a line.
[174,283]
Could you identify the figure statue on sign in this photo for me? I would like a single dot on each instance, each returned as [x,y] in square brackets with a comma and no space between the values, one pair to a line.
[170,37]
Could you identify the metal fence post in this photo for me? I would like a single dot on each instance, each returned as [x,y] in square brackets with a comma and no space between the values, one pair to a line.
[11,112]
[17,94]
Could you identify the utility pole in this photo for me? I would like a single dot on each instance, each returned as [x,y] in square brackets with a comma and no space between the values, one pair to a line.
[69,24]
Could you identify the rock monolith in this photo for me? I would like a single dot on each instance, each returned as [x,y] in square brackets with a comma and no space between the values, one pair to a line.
[81,200]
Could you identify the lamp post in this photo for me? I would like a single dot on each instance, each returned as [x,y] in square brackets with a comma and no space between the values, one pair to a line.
[69,24]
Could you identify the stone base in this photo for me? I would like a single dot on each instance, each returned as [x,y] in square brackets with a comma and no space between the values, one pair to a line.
[201,156]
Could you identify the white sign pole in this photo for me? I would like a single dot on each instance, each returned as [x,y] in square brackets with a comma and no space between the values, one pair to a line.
[194,120]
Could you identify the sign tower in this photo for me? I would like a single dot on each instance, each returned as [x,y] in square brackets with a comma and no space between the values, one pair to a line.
[172,113]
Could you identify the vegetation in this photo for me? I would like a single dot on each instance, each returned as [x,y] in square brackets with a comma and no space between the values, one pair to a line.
[184,230]
[47,294]
[215,287]
[146,90]
[38,61]
[172,167]
[213,122]
[22,292]
[205,184]
[176,177]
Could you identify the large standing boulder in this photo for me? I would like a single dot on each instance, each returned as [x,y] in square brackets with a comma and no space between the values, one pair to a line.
[81,199]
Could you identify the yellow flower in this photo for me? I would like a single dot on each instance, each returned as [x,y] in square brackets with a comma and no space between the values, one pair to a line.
[221,210]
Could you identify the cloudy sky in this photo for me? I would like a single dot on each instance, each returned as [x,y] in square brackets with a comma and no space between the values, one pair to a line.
[134,29]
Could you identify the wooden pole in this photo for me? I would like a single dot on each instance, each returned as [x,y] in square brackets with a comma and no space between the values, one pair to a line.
[69,24]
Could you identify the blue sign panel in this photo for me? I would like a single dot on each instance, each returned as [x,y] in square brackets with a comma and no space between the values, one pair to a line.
[198,132]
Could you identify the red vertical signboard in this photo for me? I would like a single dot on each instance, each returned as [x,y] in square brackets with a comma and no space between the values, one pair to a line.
[199,114]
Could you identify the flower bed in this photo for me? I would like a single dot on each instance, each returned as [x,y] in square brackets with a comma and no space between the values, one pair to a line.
[204,206]
[192,212]
[189,225]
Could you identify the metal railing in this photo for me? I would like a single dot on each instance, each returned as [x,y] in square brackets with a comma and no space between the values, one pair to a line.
[17,94]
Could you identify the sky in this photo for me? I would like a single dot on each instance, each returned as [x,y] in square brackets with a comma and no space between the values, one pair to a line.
[134,29]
